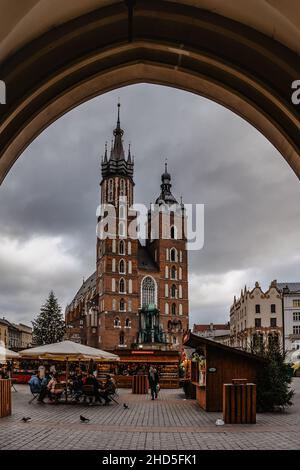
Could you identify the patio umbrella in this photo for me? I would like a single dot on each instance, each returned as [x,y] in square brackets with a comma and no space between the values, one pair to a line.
[68,351]
[7,354]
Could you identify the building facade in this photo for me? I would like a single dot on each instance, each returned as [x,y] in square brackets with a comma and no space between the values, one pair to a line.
[215,331]
[25,336]
[256,317]
[138,296]
[291,314]
[3,333]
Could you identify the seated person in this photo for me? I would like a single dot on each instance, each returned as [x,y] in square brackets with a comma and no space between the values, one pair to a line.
[77,386]
[44,388]
[91,380]
[54,392]
[35,383]
[109,389]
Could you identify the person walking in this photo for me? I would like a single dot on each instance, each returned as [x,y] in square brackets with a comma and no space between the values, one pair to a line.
[153,382]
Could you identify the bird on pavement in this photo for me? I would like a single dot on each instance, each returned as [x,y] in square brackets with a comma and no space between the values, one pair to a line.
[125,406]
[83,419]
[25,420]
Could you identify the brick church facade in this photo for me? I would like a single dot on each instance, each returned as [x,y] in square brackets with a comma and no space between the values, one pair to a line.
[138,296]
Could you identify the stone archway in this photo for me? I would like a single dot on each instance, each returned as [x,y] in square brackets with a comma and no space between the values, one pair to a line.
[173,44]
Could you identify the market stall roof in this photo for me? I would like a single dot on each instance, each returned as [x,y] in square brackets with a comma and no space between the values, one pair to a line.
[7,354]
[196,341]
[68,350]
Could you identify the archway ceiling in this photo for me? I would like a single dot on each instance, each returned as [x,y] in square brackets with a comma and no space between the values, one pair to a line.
[84,52]
[23,21]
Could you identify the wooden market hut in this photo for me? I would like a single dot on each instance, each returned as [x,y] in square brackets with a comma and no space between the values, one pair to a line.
[216,365]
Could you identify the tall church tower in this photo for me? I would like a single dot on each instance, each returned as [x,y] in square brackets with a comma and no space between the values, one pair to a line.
[142,295]
[117,256]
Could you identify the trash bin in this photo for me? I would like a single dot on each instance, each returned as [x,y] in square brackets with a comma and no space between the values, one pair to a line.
[5,397]
[140,384]
[239,402]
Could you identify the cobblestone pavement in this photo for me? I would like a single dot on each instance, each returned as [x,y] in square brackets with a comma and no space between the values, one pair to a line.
[171,422]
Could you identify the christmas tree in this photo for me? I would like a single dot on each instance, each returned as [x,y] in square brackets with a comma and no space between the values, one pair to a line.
[49,327]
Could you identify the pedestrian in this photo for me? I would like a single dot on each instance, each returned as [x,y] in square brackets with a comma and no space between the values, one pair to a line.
[153,382]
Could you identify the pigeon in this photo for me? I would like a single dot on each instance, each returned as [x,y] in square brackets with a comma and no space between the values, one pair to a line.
[25,420]
[83,419]
[125,406]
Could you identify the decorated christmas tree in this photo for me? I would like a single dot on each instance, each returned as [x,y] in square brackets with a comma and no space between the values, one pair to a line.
[49,326]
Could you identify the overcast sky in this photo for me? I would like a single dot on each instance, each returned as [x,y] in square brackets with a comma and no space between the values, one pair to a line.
[48,200]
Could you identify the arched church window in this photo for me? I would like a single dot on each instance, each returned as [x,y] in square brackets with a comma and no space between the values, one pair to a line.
[122,187]
[122,230]
[148,292]
[173,254]
[122,305]
[122,247]
[122,286]
[122,339]
[173,309]
[110,196]
[173,291]
[122,212]
[173,272]
[122,267]
[173,232]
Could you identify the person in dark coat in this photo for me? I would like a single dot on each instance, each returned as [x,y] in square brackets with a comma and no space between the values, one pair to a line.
[153,378]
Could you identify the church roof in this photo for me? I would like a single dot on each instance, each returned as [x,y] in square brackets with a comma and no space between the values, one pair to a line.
[166,196]
[86,286]
[145,260]
[292,286]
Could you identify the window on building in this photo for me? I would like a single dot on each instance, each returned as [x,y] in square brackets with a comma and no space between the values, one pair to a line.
[166,272]
[296,330]
[174,340]
[173,254]
[257,308]
[296,302]
[128,323]
[122,267]
[180,273]
[129,267]
[169,325]
[113,265]
[122,339]
[130,286]
[273,340]
[273,308]
[167,254]
[113,285]
[117,322]
[113,249]
[273,322]
[122,247]
[166,308]
[173,232]
[122,305]
[180,309]
[122,286]
[129,303]
[296,316]
[173,309]
[122,229]
[114,305]
[166,290]
[173,272]
[110,197]
[122,187]
[173,291]
[129,248]
[257,322]
[148,292]
[122,211]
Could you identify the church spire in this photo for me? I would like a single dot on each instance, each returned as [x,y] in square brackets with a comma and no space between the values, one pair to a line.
[116,164]
[118,151]
[166,196]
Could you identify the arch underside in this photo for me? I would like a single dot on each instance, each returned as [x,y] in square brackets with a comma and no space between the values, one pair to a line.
[176,46]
